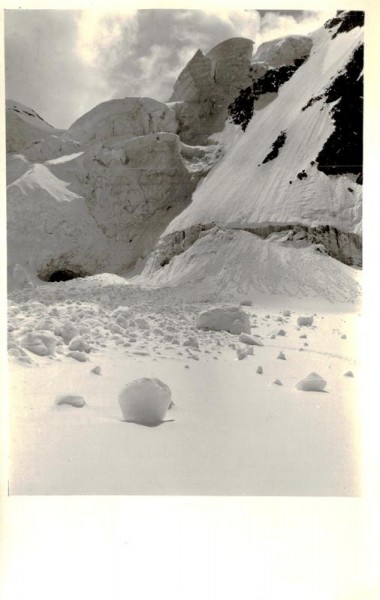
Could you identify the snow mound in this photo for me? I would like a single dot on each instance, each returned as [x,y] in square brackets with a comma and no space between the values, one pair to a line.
[145,401]
[232,263]
[232,319]
[71,400]
[312,383]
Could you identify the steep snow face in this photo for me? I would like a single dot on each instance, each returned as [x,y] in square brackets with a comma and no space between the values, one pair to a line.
[125,118]
[24,126]
[251,188]
[284,51]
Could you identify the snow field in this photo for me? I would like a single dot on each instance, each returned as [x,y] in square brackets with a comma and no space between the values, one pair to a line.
[270,439]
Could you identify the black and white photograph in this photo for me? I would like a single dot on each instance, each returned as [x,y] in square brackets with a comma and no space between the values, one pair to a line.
[190,338]
[184,251]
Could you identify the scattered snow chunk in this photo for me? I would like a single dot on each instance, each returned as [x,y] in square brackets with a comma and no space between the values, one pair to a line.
[44,324]
[277,382]
[348,374]
[343,337]
[42,344]
[145,401]
[70,399]
[286,313]
[281,332]
[97,370]
[250,339]
[281,356]
[80,356]
[232,319]
[78,343]
[142,324]
[312,383]
[19,353]
[240,353]
[192,342]
[305,321]
[124,311]
[259,370]
[68,331]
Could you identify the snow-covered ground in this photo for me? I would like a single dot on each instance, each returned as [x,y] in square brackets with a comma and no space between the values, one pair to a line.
[232,430]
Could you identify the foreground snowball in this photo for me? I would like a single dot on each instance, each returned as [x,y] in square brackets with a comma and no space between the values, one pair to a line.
[312,383]
[232,319]
[145,401]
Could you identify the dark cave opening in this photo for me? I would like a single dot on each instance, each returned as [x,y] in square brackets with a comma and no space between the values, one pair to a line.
[62,275]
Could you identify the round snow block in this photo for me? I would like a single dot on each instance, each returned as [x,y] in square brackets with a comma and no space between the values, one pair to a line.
[145,401]
[312,383]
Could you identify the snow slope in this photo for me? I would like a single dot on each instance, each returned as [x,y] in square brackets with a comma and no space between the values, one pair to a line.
[242,191]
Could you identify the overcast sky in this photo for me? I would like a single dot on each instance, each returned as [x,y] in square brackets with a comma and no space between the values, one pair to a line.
[62,63]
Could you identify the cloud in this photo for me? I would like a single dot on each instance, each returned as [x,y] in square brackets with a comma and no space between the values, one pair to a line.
[279,24]
[62,63]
